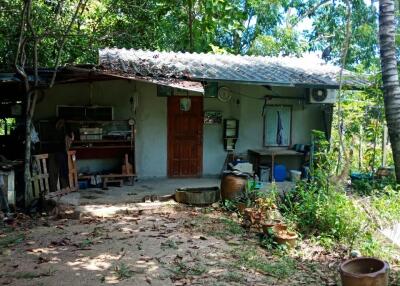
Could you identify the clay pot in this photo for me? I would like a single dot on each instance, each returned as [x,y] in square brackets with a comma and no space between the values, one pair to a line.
[279,227]
[231,186]
[364,271]
[266,226]
[283,236]
[287,237]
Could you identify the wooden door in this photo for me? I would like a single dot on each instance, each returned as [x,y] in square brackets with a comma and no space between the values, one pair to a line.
[185,138]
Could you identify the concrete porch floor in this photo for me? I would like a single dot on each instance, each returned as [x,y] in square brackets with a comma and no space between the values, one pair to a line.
[133,194]
[155,186]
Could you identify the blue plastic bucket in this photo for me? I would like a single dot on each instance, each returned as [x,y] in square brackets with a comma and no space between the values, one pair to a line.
[83,185]
[280,173]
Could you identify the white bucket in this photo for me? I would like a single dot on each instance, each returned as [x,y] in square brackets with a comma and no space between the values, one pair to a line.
[295,175]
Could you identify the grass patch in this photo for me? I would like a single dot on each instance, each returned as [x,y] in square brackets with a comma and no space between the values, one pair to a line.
[234,277]
[11,239]
[226,227]
[85,243]
[250,257]
[169,244]
[183,270]
[123,271]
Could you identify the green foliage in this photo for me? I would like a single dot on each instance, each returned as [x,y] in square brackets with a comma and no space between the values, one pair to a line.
[7,125]
[319,207]
[370,186]
[10,239]
[328,27]
[387,203]
[250,257]
[284,41]
[232,276]
[184,270]
[123,271]
[169,243]
[363,118]
[85,243]
[252,197]
[325,212]
[268,242]
[228,227]
[241,27]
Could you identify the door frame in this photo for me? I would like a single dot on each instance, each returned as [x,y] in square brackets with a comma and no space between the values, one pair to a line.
[169,140]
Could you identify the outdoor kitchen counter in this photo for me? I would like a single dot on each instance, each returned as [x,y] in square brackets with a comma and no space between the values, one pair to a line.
[256,155]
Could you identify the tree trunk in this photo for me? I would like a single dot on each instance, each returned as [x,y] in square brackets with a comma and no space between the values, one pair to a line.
[190,26]
[27,162]
[31,98]
[391,88]
[384,144]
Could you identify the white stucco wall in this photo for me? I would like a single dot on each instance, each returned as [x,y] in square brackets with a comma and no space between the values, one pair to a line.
[151,118]
[151,123]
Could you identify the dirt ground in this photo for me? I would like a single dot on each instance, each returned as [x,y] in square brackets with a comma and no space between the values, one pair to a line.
[169,245]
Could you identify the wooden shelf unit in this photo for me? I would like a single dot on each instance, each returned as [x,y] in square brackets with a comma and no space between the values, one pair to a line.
[93,149]
[230,133]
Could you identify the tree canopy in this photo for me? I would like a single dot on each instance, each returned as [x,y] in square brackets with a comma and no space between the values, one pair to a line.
[255,27]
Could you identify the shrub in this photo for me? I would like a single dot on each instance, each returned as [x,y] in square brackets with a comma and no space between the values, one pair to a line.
[325,212]
[386,204]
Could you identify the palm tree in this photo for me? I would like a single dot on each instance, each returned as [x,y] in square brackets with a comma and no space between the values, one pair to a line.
[390,78]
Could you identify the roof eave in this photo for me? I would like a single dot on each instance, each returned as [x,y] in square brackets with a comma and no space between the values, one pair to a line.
[247,82]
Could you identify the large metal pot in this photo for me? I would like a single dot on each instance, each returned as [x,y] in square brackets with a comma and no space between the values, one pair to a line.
[364,271]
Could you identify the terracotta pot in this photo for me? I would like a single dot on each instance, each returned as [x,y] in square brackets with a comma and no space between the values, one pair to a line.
[283,236]
[287,237]
[266,226]
[364,271]
[279,227]
[231,186]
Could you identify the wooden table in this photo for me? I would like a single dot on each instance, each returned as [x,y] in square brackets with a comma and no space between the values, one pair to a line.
[270,152]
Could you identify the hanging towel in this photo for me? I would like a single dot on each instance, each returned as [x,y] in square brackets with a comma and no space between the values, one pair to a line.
[93,180]
[98,179]
[279,130]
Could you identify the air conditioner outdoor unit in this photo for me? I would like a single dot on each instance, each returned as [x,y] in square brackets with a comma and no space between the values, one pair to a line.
[321,95]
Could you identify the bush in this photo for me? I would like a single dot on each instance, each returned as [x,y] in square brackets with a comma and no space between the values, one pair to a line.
[387,204]
[367,185]
[324,212]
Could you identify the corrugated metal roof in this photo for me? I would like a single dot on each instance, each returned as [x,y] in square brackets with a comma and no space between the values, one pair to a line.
[79,73]
[171,82]
[287,71]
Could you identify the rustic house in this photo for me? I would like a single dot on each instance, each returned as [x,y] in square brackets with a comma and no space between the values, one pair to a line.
[183,114]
